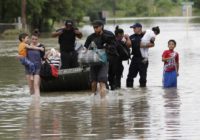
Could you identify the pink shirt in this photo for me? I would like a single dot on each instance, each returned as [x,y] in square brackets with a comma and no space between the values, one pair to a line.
[171,64]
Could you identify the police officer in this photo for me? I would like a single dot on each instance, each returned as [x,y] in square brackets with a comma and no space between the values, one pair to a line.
[66,39]
[137,65]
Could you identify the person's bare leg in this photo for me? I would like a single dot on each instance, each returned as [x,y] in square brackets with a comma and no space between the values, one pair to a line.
[102,89]
[37,85]
[30,84]
[94,87]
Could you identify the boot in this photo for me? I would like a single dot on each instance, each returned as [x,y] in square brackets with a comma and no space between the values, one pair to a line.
[142,84]
[129,84]
[112,87]
[118,84]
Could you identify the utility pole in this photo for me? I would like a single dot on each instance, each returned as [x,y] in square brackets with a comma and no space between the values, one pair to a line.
[23,14]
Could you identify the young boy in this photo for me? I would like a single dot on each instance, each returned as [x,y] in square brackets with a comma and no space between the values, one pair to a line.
[148,37]
[171,65]
[22,51]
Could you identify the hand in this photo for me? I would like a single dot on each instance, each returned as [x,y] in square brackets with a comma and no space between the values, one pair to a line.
[153,39]
[77,31]
[126,36]
[60,31]
[41,48]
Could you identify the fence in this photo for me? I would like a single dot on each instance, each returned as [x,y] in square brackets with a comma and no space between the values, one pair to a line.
[6,26]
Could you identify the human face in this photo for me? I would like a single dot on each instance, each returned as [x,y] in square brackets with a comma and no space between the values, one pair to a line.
[68,26]
[137,30]
[26,39]
[97,29]
[171,45]
[119,36]
[34,39]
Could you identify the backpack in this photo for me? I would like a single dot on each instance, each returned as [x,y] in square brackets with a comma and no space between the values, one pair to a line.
[124,51]
[42,53]
[48,72]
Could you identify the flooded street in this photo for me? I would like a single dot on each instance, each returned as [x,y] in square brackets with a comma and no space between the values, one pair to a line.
[150,113]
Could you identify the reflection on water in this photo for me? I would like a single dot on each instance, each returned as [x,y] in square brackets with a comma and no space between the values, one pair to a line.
[172,113]
[150,113]
[32,122]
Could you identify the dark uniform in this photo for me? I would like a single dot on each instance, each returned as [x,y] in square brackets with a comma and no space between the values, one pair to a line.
[113,59]
[137,66]
[67,49]
[120,67]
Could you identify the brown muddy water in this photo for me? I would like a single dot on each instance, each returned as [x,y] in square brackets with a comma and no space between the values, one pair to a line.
[150,113]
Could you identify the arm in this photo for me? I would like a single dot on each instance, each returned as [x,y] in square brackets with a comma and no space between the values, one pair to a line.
[41,48]
[128,41]
[57,32]
[47,54]
[166,59]
[177,65]
[34,47]
[78,33]
[148,45]
[87,42]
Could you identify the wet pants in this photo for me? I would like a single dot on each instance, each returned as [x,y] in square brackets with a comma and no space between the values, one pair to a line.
[137,66]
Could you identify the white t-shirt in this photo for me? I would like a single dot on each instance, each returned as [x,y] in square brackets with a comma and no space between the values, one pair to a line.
[147,36]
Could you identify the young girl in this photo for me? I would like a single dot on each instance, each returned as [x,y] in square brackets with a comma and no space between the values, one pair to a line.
[171,65]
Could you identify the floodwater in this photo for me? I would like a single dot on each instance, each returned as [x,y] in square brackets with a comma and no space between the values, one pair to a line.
[150,113]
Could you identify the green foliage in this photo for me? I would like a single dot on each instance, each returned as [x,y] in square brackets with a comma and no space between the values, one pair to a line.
[43,14]
[9,10]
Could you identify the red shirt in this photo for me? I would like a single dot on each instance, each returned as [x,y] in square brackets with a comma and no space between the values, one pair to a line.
[171,64]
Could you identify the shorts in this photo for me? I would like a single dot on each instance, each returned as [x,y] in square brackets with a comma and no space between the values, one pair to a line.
[36,72]
[170,79]
[99,73]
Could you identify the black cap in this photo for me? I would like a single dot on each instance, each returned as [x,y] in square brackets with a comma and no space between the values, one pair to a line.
[97,23]
[136,25]
[69,22]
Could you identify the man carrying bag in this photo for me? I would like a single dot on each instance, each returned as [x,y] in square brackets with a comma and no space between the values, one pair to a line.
[102,39]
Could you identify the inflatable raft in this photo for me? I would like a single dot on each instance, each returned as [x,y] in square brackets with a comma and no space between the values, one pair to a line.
[73,79]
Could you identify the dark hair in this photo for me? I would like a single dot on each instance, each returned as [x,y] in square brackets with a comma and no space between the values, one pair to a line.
[22,36]
[36,33]
[172,40]
[118,30]
[156,29]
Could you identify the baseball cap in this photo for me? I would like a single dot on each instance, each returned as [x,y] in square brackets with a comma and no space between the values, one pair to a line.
[136,25]
[97,23]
